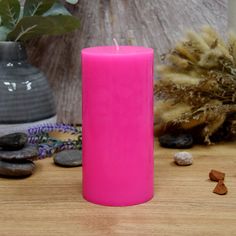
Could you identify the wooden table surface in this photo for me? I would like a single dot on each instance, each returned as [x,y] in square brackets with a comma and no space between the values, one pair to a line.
[50,201]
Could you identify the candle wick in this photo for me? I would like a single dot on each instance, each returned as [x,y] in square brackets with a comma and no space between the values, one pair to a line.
[117,45]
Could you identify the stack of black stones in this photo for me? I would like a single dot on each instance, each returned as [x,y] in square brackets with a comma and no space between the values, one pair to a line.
[16,156]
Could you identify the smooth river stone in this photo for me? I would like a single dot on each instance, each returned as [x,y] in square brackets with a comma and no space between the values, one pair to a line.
[14,141]
[16,169]
[183,158]
[29,152]
[68,158]
[176,141]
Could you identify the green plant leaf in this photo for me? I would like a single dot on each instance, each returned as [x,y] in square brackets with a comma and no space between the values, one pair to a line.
[37,7]
[57,9]
[3,33]
[72,1]
[35,26]
[9,12]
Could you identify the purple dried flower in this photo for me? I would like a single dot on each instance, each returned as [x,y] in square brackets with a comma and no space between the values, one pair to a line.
[45,150]
[47,146]
[42,153]
[46,128]
[33,139]
[36,139]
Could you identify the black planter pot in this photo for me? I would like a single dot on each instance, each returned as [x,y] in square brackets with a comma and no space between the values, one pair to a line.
[25,96]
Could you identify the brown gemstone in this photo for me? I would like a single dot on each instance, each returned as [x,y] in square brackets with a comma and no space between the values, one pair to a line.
[216,175]
[220,188]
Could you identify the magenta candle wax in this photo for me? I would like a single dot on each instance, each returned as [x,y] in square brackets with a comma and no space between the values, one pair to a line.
[117,119]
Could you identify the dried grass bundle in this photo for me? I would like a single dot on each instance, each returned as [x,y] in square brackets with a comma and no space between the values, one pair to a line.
[197,88]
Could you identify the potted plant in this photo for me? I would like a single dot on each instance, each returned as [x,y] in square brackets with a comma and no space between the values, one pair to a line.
[25,95]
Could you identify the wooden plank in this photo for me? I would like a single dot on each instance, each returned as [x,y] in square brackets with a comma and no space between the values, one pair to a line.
[154,23]
[50,202]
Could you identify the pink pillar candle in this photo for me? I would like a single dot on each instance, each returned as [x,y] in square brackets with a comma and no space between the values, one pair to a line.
[117,119]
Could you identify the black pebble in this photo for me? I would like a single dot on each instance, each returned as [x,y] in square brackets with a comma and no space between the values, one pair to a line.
[14,141]
[176,141]
[16,169]
[68,158]
[29,152]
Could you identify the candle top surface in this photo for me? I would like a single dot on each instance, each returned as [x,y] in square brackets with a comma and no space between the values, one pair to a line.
[113,50]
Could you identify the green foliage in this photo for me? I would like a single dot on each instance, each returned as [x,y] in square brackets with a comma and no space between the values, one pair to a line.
[9,12]
[34,26]
[37,7]
[34,19]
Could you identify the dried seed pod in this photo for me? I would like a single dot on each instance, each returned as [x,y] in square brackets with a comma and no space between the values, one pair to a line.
[220,188]
[216,175]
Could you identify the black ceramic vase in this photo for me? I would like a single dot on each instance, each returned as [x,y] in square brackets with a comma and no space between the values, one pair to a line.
[25,95]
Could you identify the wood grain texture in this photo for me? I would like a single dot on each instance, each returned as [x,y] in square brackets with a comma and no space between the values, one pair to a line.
[50,201]
[153,23]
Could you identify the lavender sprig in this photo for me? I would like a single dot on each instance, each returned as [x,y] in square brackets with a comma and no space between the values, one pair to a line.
[47,146]
[53,145]
[45,151]
[40,138]
[46,128]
